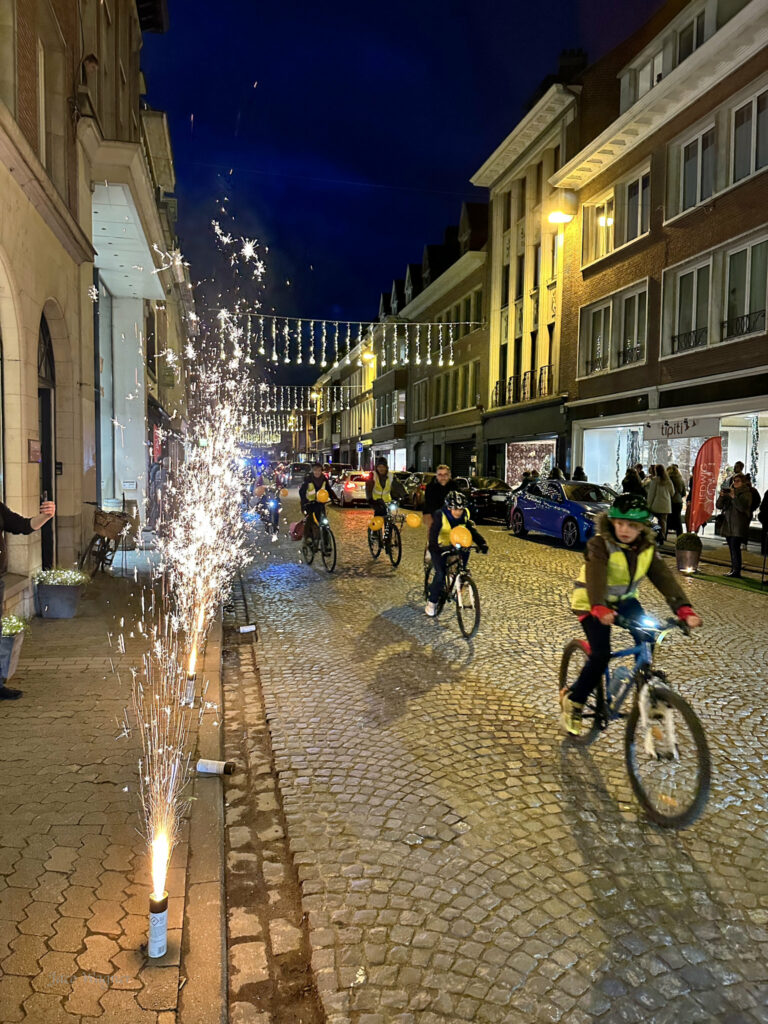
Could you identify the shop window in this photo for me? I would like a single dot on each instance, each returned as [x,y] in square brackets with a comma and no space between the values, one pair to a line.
[598,229]
[750,137]
[691,310]
[746,291]
[697,171]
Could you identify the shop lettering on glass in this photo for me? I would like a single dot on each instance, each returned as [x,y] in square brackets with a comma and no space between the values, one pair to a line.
[667,430]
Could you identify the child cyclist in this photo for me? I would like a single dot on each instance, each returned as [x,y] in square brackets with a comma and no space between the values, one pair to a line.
[453,513]
[616,559]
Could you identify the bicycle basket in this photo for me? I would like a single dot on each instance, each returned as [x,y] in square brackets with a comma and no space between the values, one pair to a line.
[109,524]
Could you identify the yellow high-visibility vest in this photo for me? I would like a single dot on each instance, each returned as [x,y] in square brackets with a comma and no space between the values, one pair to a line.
[620,586]
[382,493]
[311,491]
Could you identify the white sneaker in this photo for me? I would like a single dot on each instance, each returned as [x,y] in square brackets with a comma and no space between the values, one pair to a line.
[431,609]
[274,538]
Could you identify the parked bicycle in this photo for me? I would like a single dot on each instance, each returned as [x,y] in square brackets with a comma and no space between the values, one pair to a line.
[108,528]
[385,535]
[460,589]
[323,541]
[665,747]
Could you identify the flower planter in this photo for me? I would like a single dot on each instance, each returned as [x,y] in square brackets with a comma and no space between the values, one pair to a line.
[56,600]
[10,649]
[688,561]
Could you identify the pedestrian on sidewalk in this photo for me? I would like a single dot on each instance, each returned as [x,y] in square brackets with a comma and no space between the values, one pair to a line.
[632,484]
[762,515]
[678,497]
[579,474]
[738,468]
[639,470]
[735,502]
[659,491]
[12,522]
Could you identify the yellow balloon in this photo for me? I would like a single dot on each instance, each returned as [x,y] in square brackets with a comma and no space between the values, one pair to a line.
[413,520]
[284,492]
[323,497]
[376,524]
[460,535]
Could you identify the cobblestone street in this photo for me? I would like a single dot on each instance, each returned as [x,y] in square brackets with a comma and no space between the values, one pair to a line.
[459,860]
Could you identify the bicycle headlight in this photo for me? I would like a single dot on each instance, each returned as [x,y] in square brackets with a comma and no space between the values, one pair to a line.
[393,506]
[324,520]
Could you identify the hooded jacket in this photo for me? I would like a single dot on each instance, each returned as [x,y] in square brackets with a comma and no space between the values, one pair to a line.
[596,558]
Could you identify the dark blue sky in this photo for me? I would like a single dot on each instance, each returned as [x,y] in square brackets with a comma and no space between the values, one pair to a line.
[356,145]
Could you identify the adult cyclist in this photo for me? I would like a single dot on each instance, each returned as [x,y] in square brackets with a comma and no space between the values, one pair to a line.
[616,559]
[311,508]
[382,488]
[453,513]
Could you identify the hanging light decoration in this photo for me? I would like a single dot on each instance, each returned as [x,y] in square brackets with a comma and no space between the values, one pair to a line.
[261,335]
[450,344]
[429,344]
[274,341]
[311,342]
[324,342]
[418,344]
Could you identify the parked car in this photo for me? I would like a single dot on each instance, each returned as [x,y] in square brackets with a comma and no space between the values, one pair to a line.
[297,471]
[352,488]
[489,498]
[568,510]
[337,470]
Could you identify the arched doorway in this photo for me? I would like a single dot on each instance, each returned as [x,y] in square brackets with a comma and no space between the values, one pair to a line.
[46,407]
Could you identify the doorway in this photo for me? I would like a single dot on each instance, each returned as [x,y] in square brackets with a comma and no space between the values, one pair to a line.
[46,409]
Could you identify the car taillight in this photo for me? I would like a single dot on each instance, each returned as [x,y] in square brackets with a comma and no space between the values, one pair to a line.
[349,486]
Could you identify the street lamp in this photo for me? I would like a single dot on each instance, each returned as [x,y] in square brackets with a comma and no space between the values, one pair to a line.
[563,207]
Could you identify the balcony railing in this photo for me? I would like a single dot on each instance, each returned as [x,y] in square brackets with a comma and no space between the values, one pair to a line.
[506,392]
[533,384]
[631,354]
[750,323]
[526,391]
[546,381]
[689,340]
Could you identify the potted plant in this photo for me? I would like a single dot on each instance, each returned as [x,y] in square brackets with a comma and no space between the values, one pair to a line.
[11,640]
[688,552]
[58,592]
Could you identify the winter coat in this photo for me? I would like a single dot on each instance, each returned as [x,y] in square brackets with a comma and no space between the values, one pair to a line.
[678,485]
[632,485]
[737,511]
[659,494]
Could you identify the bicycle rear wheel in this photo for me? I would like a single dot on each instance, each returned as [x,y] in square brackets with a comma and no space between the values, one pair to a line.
[467,601]
[374,542]
[395,546]
[670,771]
[594,718]
[93,556]
[328,549]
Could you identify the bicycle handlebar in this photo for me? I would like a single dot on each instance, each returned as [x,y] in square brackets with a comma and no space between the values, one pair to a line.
[653,627]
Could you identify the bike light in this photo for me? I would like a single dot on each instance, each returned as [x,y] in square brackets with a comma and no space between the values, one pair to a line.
[273,504]
[649,622]
[392,507]
[324,521]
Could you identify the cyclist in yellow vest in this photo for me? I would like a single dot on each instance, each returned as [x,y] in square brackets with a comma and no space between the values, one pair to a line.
[382,488]
[616,559]
[312,509]
[453,513]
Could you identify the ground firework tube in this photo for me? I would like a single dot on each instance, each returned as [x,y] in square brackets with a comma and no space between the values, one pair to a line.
[158,926]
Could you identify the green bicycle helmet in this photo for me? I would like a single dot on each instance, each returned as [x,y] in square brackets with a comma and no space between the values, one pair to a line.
[630,506]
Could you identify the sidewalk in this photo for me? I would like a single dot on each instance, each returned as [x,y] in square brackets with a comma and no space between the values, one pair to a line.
[74,875]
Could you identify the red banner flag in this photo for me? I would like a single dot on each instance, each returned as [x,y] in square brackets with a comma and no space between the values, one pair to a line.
[704,490]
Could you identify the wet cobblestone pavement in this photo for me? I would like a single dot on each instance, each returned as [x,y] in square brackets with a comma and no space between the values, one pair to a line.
[459,860]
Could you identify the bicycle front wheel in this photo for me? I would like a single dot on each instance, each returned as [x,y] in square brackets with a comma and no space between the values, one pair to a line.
[668,762]
[395,546]
[374,542]
[93,556]
[467,600]
[593,717]
[328,549]
[308,551]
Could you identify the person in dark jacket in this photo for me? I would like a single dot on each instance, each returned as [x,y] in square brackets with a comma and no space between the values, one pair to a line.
[632,482]
[735,502]
[435,493]
[382,488]
[579,474]
[12,522]
[762,515]
[312,509]
[453,513]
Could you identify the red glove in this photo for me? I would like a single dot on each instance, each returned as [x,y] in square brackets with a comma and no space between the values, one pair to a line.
[685,612]
[604,615]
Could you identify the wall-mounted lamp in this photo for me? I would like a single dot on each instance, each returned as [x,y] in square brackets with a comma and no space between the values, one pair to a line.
[563,206]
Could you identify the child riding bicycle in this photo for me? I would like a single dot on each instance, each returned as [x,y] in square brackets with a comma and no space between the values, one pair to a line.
[616,559]
[453,513]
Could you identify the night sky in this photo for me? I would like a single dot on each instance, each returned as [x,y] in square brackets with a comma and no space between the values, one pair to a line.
[350,130]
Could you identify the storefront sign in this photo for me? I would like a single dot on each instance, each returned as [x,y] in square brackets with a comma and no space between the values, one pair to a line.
[669,430]
[704,489]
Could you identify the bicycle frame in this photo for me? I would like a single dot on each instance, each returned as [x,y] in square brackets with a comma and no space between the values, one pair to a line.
[642,652]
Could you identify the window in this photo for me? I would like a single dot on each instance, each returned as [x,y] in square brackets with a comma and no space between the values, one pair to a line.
[506,200]
[479,306]
[539,182]
[698,170]
[692,310]
[638,207]
[521,199]
[464,401]
[474,378]
[598,346]
[690,38]
[446,393]
[505,285]
[536,266]
[598,229]
[632,340]
[746,291]
[750,137]
[649,74]
[520,276]
[556,159]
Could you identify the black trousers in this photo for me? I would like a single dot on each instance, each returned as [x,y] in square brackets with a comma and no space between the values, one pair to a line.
[599,637]
[734,546]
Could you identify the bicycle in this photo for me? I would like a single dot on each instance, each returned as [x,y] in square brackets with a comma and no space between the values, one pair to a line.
[325,543]
[388,537]
[108,528]
[460,588]
[665,747]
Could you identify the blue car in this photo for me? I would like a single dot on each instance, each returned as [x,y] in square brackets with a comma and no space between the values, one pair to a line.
[566,509]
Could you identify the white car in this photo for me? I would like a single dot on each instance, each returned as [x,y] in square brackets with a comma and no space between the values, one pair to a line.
[352,488]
